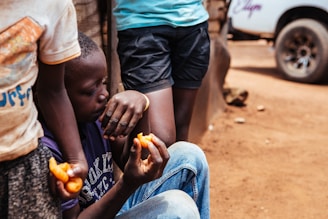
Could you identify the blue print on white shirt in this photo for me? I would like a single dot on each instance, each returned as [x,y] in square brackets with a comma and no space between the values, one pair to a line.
[11,96]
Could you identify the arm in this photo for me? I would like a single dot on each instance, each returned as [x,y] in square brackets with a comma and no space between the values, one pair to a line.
[108,205]
[136,173]
[58,114]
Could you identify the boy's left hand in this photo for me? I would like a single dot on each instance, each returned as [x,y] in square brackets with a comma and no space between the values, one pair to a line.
[122,113]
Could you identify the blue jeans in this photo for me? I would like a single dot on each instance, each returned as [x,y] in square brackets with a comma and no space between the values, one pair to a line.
[187,170]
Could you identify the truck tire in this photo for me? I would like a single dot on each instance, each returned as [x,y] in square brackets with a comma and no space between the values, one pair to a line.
[302,51]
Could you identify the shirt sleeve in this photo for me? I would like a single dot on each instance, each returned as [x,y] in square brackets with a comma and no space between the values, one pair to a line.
[59,42]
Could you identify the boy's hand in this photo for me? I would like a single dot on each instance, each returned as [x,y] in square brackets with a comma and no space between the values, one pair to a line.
[79,168]
[122,113]
[65,180]
[138,171]
[58,189]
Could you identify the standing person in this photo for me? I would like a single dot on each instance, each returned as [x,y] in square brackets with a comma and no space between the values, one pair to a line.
[169,183]
[32,30]
[164,50]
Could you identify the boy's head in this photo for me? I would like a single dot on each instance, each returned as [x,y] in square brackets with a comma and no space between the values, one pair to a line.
[85,81]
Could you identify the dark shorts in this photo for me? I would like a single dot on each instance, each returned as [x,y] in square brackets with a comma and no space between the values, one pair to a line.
[24,187]
[155,58]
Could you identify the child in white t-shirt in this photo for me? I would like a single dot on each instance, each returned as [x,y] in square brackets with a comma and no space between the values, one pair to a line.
[33,30]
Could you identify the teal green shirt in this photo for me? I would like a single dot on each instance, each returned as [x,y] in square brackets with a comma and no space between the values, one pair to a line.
[147,13]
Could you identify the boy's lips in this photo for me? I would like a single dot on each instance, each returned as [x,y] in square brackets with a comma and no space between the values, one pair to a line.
[100,111]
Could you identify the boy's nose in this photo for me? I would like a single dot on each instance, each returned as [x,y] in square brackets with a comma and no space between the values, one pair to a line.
[104,95]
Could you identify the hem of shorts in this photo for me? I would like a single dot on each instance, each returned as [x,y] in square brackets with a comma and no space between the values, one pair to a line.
[155,86]
[187,84]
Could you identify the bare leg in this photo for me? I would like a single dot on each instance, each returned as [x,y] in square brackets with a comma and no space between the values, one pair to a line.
[184,100]
[161,115]
[170,123]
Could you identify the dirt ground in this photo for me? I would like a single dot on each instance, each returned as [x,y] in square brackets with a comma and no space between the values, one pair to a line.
[275,164]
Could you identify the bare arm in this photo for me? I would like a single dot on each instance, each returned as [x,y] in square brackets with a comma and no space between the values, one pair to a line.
[108,205]
[58,114]
[136,173]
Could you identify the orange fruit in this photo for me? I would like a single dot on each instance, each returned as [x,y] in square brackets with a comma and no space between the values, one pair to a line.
[72,184]
[144,139]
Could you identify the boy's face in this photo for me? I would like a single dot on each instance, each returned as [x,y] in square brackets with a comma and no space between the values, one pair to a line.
[87,87]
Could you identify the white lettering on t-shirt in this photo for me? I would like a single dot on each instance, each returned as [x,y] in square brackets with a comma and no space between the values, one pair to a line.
[97,183]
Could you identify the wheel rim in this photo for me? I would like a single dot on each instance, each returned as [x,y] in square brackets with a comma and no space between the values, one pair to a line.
[300,54]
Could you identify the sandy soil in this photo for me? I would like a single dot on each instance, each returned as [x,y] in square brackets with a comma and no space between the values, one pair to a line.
[275,165]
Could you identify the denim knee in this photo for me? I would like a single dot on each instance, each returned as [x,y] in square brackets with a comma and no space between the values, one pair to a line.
[173,204]
[190,152]
[180,205]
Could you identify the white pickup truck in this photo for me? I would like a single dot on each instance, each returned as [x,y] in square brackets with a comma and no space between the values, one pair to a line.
[298,28]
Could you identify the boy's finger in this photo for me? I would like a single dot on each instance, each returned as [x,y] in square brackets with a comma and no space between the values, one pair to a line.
[127,123]
[114,122]
[135,150]
[158,161]
[74,172]
[161,147]
[133,122]
[107,114]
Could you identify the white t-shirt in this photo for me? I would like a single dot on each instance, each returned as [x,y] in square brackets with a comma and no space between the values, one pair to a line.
[29,29]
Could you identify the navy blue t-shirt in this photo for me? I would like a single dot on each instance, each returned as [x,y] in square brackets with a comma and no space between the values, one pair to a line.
[98,153]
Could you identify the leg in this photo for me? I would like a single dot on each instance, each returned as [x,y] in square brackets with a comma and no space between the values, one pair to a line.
[190,59]
[146,66]
[184,100]
[187,170]
[161,115]
[169,204]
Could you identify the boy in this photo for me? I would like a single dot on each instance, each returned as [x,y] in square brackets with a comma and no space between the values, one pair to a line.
[161,185]
[32,30]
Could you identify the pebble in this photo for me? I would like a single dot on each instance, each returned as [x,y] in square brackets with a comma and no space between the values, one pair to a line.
[240,120]
[260,108]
